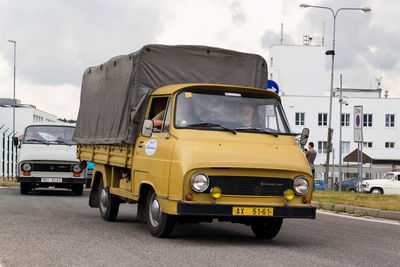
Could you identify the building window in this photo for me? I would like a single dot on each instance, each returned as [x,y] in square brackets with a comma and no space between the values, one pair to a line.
[367,144]
[345,147]
[345,119]
[322,119]
[322,147]
[389,144]
[367,120]
[299,118]
[389,120]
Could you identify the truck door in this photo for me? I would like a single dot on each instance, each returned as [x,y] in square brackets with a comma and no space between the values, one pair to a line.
[153,155]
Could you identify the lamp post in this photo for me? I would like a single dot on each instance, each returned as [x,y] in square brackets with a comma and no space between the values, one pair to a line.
[332,53]
[15,54]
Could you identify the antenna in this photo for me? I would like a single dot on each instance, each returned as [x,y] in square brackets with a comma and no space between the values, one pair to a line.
[323,32]
[281,32]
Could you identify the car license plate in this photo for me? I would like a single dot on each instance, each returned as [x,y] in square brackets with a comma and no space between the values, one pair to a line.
[252,211]
[51,180]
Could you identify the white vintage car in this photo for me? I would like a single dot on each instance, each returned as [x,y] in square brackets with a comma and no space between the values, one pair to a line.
[390,184]
[47,158]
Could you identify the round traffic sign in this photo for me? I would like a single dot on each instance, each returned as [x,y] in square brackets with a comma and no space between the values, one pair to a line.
[358,120]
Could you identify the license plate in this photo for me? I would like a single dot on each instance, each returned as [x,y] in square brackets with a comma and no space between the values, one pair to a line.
[51,180]
[252,211]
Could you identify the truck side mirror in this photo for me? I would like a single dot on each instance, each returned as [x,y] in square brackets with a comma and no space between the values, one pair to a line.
[304,136]
[15,141]
[147,129]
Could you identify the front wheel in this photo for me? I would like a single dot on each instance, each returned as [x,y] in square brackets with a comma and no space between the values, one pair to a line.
[267,229]
[108,203]
[24,187]
[159,223]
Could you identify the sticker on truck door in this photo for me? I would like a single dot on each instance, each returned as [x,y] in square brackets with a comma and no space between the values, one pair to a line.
[151,147]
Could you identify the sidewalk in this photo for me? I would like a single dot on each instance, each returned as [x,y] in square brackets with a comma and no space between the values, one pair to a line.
[383,214]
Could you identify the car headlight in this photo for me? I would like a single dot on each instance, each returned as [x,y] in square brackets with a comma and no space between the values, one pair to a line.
[76,168]
[199,182]
[26,167]
[300,185]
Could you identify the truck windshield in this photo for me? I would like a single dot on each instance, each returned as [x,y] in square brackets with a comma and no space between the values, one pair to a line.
[230,111]
[49,135]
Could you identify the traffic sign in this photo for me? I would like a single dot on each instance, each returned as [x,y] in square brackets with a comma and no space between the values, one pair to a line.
[358,124]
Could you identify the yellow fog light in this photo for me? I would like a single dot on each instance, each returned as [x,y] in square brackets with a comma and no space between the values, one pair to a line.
[289,194]
[215,192]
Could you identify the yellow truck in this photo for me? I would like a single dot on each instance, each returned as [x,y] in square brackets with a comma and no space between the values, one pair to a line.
[189,151]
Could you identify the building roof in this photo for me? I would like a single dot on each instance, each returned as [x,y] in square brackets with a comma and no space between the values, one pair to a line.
[376,156]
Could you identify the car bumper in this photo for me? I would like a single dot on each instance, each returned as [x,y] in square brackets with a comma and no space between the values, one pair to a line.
[39,180]
[214,210]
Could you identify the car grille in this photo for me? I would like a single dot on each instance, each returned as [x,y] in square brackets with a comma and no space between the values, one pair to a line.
[253,186]
[46,167]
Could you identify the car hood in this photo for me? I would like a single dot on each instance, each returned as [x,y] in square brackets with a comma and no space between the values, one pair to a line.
[43,152]
[377,181]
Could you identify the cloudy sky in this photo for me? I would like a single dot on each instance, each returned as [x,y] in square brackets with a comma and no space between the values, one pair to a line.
[58,40]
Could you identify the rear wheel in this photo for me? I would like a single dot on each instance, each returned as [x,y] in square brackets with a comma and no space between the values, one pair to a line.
[267,229]
[24,188]
[77,189]
[159,223]
[108,203]
[376,191]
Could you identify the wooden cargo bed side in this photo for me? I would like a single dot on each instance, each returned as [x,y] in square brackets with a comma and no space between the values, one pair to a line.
[114,155]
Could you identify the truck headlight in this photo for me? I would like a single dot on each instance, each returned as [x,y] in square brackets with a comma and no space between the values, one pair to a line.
[76,168]
[300,185]
[26,167]
[199,182]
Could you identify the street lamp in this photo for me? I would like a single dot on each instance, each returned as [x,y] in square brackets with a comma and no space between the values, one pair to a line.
[332,53]
[14,101]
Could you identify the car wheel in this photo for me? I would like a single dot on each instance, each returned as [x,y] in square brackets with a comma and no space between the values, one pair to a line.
[267,229]
[376,191]
[24,187]
[108,203]
[77,189]
[352,190]
[159,223]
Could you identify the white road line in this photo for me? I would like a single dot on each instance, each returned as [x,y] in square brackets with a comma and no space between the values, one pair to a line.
[369,219]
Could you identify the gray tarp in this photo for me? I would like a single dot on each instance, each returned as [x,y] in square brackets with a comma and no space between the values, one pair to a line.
[114,94]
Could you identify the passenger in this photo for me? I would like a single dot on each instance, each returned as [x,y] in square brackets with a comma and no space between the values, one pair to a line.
[245,116]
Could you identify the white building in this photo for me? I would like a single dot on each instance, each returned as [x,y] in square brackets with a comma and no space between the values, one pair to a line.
[304,88]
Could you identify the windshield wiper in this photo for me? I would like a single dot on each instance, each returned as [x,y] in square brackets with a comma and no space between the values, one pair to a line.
[207,124]
[256,129]
[36,140]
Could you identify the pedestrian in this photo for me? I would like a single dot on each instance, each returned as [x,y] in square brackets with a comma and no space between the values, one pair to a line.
[394,168]
[311,154]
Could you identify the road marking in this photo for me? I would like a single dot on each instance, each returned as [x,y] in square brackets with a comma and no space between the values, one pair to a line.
[384,221]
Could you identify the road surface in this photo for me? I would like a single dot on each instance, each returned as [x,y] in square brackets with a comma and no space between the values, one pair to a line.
[57,228]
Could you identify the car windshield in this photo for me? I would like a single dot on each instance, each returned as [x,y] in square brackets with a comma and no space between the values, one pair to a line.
[49,135]
[230,111]
[388,176]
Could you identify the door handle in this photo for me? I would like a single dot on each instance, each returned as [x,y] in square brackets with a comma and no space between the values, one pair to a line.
[141,143]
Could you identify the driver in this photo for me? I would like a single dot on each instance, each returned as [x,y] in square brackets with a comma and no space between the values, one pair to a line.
[245,115]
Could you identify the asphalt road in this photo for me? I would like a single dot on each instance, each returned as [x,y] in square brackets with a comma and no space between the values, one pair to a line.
[56,228]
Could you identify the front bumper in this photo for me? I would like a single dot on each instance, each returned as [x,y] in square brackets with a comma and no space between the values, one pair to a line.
[39,180]
[215,210]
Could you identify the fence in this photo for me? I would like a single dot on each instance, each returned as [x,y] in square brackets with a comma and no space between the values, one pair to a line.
[8,153]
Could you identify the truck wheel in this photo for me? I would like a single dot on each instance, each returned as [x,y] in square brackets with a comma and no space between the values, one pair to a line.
[267,229]
[159,223]
[108,204]
[24,188]
[77,189]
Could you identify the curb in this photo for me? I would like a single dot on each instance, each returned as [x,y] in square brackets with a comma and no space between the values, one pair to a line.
[382,214]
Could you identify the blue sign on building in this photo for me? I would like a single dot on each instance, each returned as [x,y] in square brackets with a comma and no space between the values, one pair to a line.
[273,85]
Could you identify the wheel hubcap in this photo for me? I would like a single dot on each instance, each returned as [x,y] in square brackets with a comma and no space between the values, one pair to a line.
[155,212]
[103,200]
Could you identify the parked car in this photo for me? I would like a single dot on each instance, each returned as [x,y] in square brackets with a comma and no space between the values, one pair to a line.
[351,184]
[319,184]
[390,184]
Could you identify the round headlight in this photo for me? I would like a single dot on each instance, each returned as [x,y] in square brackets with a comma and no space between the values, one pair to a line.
[26,167]
[76,168]
[300,185]
[199,182]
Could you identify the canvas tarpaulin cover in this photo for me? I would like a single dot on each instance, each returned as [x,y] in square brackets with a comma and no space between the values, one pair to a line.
[114,94]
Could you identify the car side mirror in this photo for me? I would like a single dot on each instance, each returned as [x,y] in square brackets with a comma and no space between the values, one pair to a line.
[15,141]
[147,129]
[304,136]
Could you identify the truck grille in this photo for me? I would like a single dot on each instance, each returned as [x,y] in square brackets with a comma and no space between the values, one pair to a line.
[49,167]
[253,186]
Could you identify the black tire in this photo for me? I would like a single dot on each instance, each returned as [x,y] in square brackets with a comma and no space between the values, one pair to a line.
[108,203]
[267,229]
[376,190]
[77,189]
[24,187]
[162,224]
